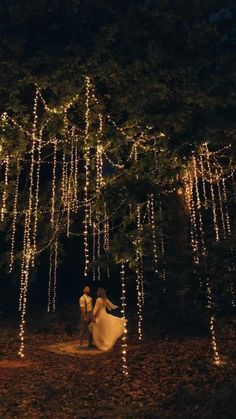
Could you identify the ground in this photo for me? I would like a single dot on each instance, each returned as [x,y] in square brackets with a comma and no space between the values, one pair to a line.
[168,378]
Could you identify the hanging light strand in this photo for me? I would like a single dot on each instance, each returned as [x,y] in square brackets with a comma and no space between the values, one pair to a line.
[153,226]
[53,199]
[138,274]
[209,296]
[13,235]
[202,175]
[215,221]
[36,201]
[28,253]
[50,279]
[4,196]
[94,251]
[163,247]
[123,311]
[87,172]
[55,275]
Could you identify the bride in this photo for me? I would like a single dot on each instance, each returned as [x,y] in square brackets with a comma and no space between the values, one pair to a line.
[105,328]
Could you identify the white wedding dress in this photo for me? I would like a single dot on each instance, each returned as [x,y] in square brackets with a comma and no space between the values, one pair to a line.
[106,328]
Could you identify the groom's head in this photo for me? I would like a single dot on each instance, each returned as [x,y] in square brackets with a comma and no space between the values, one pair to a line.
[86,290]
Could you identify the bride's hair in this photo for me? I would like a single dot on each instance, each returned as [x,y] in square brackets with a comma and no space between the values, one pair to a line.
[101,293]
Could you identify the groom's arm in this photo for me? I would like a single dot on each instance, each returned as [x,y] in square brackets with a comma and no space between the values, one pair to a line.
[82,307]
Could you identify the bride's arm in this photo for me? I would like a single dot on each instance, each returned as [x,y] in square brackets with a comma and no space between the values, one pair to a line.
[96,308]
[110,305]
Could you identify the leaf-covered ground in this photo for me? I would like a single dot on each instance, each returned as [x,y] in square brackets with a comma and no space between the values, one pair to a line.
[168,379]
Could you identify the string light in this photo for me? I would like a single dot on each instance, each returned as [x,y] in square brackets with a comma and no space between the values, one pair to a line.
[53,199]
[222,213]
[4,196]
[193,225]
[202,175]
[99,249]
[123,311]
[153,226]
[138,274]
[36,204]
[14,216]
[55,275]
[87,163]
[163,250]
[94,251]
[216,227]
[76,161]
[28,252]
[50,279]
[227,220]
[208,281]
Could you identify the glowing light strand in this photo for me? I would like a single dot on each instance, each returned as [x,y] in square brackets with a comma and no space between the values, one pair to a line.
[14,216]
[215,222]
[36,201]
[27,251]
[163,247]
[153,226]
[4,196]
[87,172]
[212,323]
[53,199]
[123,311]
[138,274]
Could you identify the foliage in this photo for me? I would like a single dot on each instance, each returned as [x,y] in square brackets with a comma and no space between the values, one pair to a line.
[158,67]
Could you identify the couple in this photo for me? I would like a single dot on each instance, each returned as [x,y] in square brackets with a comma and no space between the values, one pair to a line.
[102,329]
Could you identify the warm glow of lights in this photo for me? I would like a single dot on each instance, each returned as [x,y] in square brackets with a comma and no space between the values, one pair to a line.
[87,172]
[53,199]
[163,250]
[139,276]
[215,222]
[4,196]
[123,311]
[14,216]
[153,225]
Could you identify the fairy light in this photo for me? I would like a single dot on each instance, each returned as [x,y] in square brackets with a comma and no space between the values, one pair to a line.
[14,216]
[222,213]
[208,281]
[28,252]
[55,276]
[227,219]
[123,311]
[94,251]
[99,248]
[87,172]
[153,226]
[61,109]
[227,231]
[70,189]
[138,273]
[76,160]
[53,199]
[36,203]
[193,225]
[202,175]
[99,160]
[106,228]
[50,279]
[163,250]
[23,260]
[4,196]
[141,280]
[216,227]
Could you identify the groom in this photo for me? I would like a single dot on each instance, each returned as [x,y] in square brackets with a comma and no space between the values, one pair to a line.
[86,308]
